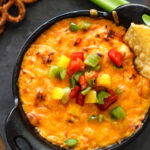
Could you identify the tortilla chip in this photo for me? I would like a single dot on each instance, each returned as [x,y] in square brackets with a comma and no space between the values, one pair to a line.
[138,38]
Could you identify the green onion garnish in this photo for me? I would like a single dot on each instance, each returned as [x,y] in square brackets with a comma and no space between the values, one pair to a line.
[100,118]
[101,95]
[73,27]
[71,142]
[118,113]
[93,117]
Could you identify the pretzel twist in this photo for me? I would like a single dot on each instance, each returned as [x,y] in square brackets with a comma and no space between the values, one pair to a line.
[3,17]
[5,5]
[21,9]
[28,1]
[2,2]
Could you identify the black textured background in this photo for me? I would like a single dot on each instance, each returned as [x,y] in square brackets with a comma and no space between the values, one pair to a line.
[13,39]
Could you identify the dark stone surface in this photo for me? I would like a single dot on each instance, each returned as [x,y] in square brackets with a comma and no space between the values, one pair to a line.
[15,36]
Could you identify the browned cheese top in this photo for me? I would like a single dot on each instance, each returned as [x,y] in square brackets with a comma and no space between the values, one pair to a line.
[57,122]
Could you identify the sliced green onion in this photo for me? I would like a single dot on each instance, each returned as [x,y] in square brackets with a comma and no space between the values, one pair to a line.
[72,83]
[146,19]
[100,118]
[77,75]
[85,91]
[93,117]
[90,82]
[97,68]
[63,73]
[101,95]
[73,27]
[84,25]
[117,91]
[109,5]
[71,142]
[65,98]
[54,72]
[118,113]
[92,60]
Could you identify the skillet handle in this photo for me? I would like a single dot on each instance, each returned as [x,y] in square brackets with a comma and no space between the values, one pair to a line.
[16,133]
[21,135]
[132,13]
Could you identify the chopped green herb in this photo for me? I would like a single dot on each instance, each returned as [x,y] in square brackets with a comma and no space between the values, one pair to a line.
[77,75]
[63,72]
[73,27]
[90,82]
[118,113]
[118,67]
[84,25]
[92,60]
[65,98]
[54,72]
[97,68]
[71,142]
[146,19]
[100,118]
[117,91]
[57,72]
[101,95]
[85,91]
[93,117]
[72,83]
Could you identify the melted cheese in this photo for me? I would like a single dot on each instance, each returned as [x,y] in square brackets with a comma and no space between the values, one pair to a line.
[57,122]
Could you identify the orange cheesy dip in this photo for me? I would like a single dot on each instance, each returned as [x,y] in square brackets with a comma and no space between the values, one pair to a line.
[79,87]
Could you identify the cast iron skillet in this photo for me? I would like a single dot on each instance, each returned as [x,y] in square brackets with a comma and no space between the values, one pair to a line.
[20,134]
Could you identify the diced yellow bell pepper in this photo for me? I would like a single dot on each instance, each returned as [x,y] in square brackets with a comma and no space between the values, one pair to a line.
[63,61]
[91,97]
[58,93]
[104,80]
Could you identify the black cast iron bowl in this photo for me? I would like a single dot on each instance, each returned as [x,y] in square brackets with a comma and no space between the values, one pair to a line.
[19,132]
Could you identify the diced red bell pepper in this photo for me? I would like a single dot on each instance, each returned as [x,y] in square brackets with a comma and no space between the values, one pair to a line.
[77,42]
[76,55]
[74,66]
[109,101]
[83,82]
[116,57]
[74,92]
[80,99]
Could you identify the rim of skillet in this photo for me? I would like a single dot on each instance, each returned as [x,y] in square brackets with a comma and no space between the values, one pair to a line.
[36,33]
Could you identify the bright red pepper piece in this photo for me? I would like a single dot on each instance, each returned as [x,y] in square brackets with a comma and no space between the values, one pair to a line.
[74,92]
[80,99]
[83,82]
[116,57]
[76,55]
[74,66]
[109,101]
